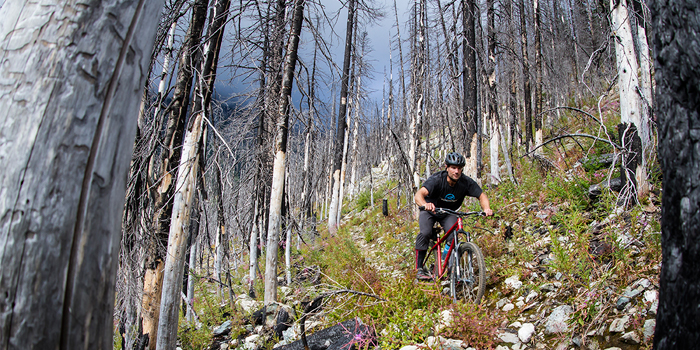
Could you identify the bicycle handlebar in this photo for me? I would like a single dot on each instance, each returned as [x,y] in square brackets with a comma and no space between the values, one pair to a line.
[454,212]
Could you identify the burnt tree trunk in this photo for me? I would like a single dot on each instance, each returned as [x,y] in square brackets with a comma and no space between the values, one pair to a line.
[277,192]
[163,189]
[470,102]
[342,124]
[676,28]
[73,76]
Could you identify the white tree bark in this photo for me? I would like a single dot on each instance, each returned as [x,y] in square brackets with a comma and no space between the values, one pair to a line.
[274,226]
[333,207]
[190,280]
[343,171]
[187,179]
[219,260]
[494,143]
[278,172]
[628,86]
[166,68]
[356,126]
[288,256]
[252,262]
[71,80]
[177,238]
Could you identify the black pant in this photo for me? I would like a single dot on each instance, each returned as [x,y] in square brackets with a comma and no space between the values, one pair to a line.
[426,220]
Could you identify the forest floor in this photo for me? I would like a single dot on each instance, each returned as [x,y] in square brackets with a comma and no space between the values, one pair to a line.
[564,271]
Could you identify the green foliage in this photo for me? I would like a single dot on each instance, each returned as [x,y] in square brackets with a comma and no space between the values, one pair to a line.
[211,313]
[342,261]
[574,191]
[570,246]
[363,200]
[369,234]
[409,313]
[116,339]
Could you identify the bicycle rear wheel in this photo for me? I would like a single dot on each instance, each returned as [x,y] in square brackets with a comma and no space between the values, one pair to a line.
[468,276]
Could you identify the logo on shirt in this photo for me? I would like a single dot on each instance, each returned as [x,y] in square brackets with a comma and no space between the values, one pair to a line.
[449,198]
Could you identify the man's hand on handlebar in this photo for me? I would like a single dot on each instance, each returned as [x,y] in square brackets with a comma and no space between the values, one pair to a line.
[429,207]
[488,212]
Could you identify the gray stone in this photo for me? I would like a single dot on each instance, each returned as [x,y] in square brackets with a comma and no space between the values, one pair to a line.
[508,337]
[650,296]
[530,296]
[508,307]
[247,303]
[622,302]
[648,330]
[513,282]
[410,347]
[592,344]
[618,325]
[442,343]
[633,292]
[557,322]
[654,306]
[223,329]
[631,338]
[446,320]
[548,287]
[251,342]
[644,283]
[526,332]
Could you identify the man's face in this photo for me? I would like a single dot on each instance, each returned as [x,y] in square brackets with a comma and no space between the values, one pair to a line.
[454,172]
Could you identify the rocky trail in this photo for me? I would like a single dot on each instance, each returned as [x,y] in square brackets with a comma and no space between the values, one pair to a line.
[539,308]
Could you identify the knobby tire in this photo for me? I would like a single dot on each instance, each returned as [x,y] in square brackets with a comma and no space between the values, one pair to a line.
[468,283]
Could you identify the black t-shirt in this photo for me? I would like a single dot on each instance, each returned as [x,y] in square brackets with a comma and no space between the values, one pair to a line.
[443,195]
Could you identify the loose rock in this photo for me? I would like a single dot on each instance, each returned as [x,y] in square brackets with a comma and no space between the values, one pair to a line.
[557,322]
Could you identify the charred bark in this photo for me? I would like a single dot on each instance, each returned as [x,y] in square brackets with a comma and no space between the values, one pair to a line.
[677,76]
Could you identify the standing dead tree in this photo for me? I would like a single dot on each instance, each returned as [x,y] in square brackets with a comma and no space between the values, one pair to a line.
[281,136]
[341,126]
[187,174]
[163,170]
[73,73]
[678,77]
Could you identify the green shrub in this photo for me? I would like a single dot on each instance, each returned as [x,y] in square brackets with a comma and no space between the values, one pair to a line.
[211,313]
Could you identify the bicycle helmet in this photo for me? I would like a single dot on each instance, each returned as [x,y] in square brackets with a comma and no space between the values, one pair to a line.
[455,158]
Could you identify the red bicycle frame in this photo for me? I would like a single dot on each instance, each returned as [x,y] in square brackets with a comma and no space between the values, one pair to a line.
[442,262]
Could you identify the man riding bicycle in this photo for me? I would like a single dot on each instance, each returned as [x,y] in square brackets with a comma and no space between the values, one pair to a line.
[444,189]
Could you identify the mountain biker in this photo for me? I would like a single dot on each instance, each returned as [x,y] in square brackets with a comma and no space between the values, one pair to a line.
[444,189]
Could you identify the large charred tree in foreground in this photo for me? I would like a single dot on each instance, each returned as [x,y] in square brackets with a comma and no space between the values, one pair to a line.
[72,76]
[676,28]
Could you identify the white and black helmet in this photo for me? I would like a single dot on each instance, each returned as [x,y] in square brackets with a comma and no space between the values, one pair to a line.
[455,158]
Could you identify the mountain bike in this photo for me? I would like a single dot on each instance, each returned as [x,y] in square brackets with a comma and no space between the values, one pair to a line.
[464,264]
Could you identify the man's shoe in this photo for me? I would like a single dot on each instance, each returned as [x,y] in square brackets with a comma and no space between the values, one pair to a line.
[423,276]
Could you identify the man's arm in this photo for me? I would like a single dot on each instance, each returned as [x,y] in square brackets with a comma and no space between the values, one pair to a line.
[484,203]
[419,198]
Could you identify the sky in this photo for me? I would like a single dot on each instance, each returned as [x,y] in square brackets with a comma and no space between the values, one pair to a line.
[380,34]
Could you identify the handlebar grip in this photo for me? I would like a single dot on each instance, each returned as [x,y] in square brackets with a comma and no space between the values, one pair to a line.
[422,207]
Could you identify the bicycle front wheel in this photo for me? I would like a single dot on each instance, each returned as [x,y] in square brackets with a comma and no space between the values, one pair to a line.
[468,276]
